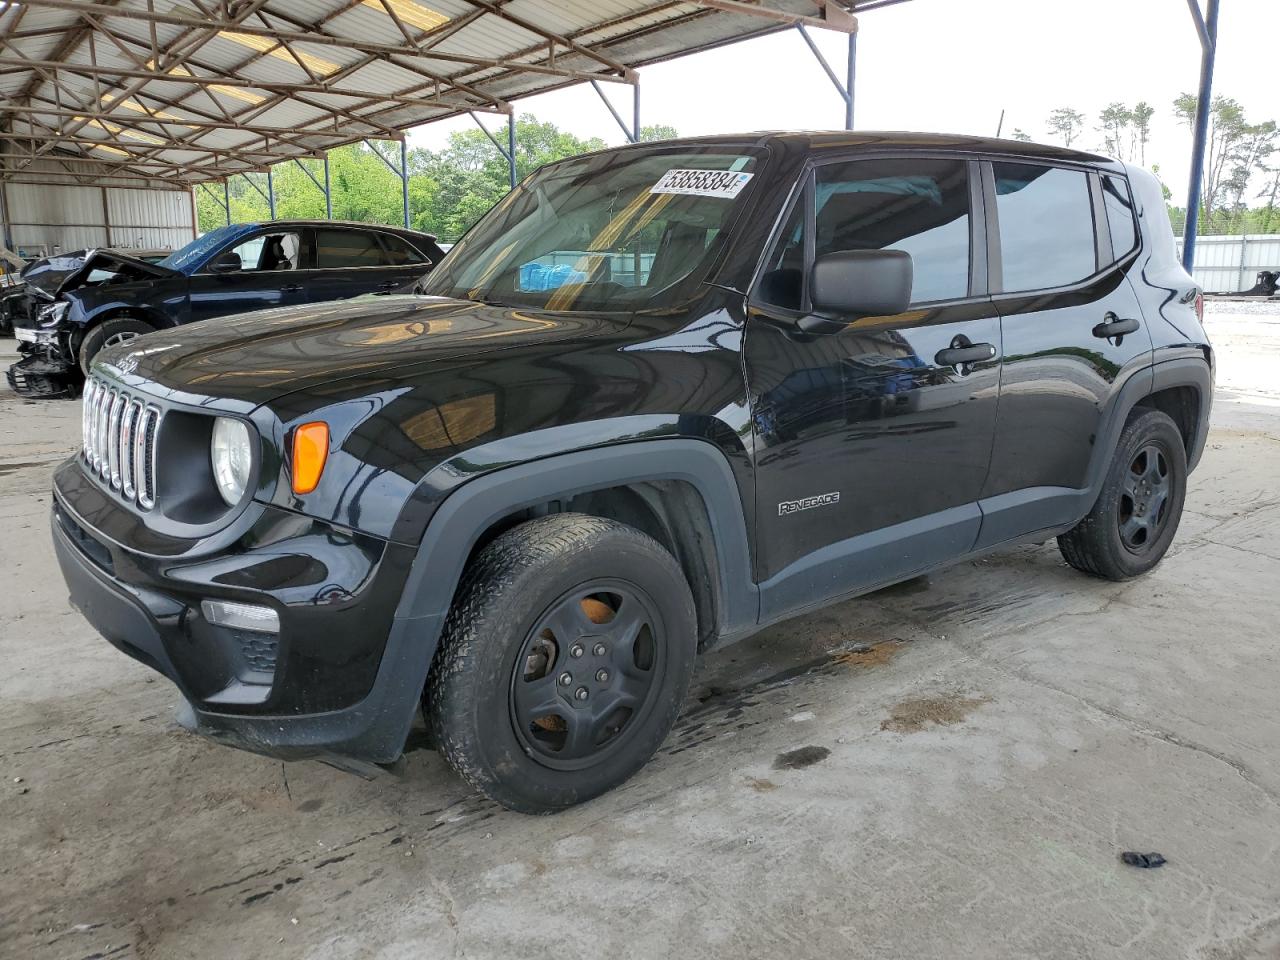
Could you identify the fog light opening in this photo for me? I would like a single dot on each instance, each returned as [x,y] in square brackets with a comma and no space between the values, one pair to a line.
[241,616]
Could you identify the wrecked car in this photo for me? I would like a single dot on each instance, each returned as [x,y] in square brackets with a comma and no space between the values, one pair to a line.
[80,303]
[658,399]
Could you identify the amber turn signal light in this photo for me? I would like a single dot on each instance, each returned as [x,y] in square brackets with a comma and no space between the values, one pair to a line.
[310,450]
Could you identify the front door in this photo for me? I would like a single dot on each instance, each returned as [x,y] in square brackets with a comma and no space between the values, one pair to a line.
[872,443]
[1067,240]
[255,274]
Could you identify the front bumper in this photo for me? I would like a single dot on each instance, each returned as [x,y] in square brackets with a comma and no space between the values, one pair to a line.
[342,678]
[40,376]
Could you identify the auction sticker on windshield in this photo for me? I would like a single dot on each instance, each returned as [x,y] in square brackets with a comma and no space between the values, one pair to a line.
[702,183]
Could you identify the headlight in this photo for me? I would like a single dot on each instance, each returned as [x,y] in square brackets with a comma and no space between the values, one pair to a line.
[53,313]
[231,453]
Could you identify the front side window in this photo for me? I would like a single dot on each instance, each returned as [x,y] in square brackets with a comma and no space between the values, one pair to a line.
[612,231]
[263,253]
[348,248]
[1046,226]
[917,205]
[1120,219]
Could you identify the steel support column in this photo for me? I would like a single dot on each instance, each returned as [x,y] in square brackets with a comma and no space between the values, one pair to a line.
[226,199]
[850,78]
[328,194]
[632,133]
[404,179]
[271,194]
[1207,28]
[511,149]
[843,88]
[402,171]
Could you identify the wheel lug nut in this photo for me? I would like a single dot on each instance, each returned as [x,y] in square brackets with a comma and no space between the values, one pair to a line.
[602,676]
[576,650]
[598,649]
[566,679]
[581,693]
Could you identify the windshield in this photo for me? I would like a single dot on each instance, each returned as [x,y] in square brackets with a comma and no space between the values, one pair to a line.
[192,255]
[614,231]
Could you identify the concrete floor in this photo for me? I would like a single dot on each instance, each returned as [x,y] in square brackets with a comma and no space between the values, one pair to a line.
[988,742]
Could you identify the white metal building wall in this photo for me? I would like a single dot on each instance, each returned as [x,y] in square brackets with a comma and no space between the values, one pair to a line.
[1227,264]
[53,216]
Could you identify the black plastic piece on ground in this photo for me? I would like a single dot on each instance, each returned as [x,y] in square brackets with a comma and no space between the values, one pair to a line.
[1144,861]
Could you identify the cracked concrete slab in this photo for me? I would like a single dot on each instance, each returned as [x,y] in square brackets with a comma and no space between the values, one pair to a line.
[949,768]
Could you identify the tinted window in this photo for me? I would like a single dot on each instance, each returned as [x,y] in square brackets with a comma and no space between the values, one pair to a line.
[782,282]
[917,205]
[1120,219]
[399,251]
[1046,226]
[348,248]
[266,252]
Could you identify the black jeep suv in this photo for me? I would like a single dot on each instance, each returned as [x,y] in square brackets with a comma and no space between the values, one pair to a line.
[658,398]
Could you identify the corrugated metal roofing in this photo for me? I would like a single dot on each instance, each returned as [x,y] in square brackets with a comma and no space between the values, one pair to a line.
[133,88]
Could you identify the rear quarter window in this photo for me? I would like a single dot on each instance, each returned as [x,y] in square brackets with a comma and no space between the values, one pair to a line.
[1121,222]
[1046,226]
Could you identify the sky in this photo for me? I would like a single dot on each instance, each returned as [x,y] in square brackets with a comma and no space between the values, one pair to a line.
[949,66]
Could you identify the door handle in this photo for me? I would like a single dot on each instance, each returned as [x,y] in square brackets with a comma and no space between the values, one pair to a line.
[962,352]
[1113,326]
[291,288]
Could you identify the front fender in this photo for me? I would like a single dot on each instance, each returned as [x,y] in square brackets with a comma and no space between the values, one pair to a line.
[471,508]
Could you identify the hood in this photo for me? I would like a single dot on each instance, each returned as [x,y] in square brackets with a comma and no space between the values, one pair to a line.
[53,276]
[258,357]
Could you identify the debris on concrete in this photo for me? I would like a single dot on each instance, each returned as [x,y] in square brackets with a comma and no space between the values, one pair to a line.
[800,758]
[912,716]
[1144,861]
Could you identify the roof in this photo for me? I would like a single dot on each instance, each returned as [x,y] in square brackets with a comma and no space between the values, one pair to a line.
[169,92]
[820,140]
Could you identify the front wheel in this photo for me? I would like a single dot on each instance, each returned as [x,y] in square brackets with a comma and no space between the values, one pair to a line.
[564,660]
[110,333]
[1136,515]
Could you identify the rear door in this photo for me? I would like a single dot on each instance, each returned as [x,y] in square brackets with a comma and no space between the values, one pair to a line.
[350,262]
[267,276]
[871,444]
[1066,242]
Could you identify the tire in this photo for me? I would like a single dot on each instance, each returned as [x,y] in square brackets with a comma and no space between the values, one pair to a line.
[109,333]
[559,608]
[1137,512]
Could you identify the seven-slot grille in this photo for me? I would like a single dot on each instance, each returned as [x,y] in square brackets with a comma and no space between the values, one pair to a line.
[120,441]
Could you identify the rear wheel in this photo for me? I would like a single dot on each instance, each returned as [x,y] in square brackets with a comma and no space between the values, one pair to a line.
[564,661]
[1136,515]
[110,333]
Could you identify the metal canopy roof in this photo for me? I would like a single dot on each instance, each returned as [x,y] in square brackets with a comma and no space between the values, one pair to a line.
[197,90]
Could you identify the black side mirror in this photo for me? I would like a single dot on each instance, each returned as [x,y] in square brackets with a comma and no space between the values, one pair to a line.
[850,284]
[228,262]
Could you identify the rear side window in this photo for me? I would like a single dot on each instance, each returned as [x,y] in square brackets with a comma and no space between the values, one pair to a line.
[1120,219]
[917,205]
[400,252]
[348,248]
[1046,226]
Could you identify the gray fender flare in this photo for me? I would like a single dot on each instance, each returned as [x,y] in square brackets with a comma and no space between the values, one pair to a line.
[457,525]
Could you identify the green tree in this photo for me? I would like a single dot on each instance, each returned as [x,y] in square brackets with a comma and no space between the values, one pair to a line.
[449,190]
[1020,135]
[1227,128]
[1067,124]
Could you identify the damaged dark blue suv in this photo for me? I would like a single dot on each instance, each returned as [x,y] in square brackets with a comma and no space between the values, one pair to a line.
[659,398]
